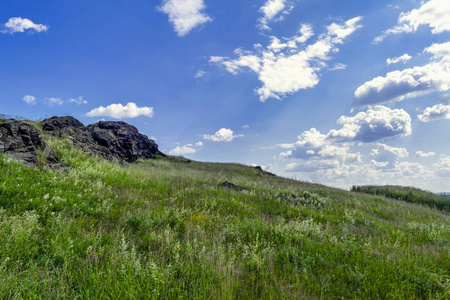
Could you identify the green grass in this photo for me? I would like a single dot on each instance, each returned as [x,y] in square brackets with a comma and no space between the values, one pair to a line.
[164,229]
[408,194]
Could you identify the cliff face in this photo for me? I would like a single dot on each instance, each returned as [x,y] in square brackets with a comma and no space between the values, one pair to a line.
[116,141]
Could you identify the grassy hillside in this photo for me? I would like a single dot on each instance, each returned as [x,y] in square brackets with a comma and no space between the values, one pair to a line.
[408,194]
[166,229]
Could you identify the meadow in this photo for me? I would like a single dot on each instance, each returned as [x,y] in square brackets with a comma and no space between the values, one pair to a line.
[166,229]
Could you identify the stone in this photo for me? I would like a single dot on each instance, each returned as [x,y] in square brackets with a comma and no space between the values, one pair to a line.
[113,140]
[22,141]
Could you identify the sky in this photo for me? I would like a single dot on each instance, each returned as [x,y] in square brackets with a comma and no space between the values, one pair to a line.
[338,92]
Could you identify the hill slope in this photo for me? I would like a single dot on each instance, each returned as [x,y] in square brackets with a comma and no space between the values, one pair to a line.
[168,229]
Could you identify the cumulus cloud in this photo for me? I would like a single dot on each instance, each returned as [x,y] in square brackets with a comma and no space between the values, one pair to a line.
[404,58]
[185,15]
[273,10]
[385,153]
[118,111]
[223,135]
[53,101]
[286,65]
[29,99]
[425,154]
[78,100]
[411,82]
[20,25]
[186,149]
[182,150]
[439,111]
[433,13]
[443,166]
[375,124]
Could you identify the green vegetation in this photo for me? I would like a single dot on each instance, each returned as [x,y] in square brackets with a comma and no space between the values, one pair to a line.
[164,229]
[408,194]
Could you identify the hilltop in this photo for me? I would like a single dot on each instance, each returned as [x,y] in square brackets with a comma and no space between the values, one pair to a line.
[76,223]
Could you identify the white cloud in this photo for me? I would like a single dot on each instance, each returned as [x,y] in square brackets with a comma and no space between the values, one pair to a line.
[223,135]
[404,58]
[118,111]
[434,13]
[53,101]
[425,154]
[443,166]
[385,153]
[338,66]
[246,127]
[377,123]
[286,67]
[182,150]
[20,25]
[312,166]
[439,111]
[200,74]
[185,15]
[271,10]
[78,100]
[29,99]
[199,144]
[408,83]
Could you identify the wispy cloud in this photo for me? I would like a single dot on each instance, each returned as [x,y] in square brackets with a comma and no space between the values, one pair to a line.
[185,15]
[53,101]
[118,111]
[18,24]
[434,13]
[404,59]
[78,100]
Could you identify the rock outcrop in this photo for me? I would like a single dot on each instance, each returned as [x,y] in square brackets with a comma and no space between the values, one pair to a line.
[22,141]
[111,140]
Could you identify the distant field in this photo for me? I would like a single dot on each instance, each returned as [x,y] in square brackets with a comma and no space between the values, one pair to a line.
[169,229]
[408,194]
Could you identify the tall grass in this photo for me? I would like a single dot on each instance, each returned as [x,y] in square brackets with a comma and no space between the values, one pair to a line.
[165,229]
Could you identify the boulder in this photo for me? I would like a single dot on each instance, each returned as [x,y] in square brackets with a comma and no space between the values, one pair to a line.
[22,141]
[108,139]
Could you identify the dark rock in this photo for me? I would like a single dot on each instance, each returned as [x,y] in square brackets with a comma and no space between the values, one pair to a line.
[22,141]
[111,140]
[264,172]
[229,185]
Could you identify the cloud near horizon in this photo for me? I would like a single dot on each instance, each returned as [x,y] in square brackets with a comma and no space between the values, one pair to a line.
[118,111]
[18,24]
[222,135]
[287,65]
[185,15]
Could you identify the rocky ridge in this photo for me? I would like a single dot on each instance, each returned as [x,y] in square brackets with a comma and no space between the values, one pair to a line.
[116,141]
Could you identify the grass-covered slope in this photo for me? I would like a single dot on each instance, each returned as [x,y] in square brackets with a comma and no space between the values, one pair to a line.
[408,194]
[165,229]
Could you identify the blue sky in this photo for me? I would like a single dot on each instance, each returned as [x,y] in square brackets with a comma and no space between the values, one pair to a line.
[339,92]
